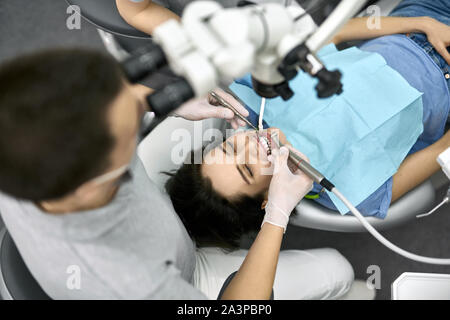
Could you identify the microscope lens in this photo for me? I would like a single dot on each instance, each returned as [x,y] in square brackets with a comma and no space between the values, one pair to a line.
[164,101]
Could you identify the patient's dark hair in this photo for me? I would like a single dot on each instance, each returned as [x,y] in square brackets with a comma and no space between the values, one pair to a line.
[210,218]
[54,133]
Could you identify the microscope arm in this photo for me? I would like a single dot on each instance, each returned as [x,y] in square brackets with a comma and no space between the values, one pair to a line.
[211,46]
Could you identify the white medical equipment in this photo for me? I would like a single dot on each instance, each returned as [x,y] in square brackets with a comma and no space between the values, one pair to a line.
[444,160]
[213,46]
[421,286]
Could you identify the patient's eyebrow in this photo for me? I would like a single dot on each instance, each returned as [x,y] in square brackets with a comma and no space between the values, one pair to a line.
[242,174]
[238,168]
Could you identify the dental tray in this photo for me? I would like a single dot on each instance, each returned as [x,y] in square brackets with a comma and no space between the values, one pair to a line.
[421,286]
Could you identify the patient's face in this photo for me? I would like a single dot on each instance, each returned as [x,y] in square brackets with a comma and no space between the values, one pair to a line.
[239,165]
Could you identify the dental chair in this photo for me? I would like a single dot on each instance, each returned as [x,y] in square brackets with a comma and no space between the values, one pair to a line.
[16,281]
[117,35]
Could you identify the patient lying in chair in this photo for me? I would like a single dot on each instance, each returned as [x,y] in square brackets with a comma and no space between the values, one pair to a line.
[398,103]
[224,197]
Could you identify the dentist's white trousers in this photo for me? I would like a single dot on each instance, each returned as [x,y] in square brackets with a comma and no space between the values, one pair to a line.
[301,274]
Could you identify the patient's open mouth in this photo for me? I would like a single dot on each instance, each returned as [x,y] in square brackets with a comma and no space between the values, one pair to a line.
[265,142]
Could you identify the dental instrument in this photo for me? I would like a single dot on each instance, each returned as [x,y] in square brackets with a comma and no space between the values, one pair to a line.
[303,165]
[157,121]
[316,176]
[444,201]
[225,104]
[261,114]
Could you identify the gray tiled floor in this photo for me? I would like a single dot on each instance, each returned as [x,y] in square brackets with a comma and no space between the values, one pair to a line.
[28,25]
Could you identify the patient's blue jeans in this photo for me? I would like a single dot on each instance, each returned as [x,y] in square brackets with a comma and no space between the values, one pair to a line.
[437,9]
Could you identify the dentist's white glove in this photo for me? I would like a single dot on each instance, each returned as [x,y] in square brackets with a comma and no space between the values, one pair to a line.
[204,108]
[286,188]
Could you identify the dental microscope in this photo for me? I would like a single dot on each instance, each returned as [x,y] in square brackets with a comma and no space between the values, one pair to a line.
[212,46]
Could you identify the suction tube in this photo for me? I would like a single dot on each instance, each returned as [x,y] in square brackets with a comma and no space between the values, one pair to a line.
[315,175]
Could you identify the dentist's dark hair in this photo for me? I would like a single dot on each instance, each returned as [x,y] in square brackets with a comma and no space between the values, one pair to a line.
[54,133]
[210,218]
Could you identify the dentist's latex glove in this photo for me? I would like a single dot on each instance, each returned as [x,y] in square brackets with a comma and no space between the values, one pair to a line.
[204,108]
[286,188]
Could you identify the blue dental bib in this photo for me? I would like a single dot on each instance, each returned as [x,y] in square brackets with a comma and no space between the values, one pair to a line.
[357,139]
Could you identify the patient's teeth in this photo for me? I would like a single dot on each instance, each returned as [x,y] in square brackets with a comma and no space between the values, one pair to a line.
[266,145]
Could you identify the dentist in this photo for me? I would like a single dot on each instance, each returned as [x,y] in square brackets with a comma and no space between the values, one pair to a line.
[75,196]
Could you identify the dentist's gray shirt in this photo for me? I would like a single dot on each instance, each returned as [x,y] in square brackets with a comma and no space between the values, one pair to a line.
[134,248]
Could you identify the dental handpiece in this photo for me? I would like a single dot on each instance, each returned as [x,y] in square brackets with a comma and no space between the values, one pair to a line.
[303,165]
[228,105]
[311,172]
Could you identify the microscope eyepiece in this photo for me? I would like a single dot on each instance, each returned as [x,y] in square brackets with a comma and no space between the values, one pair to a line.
[164,101]
[143,62]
